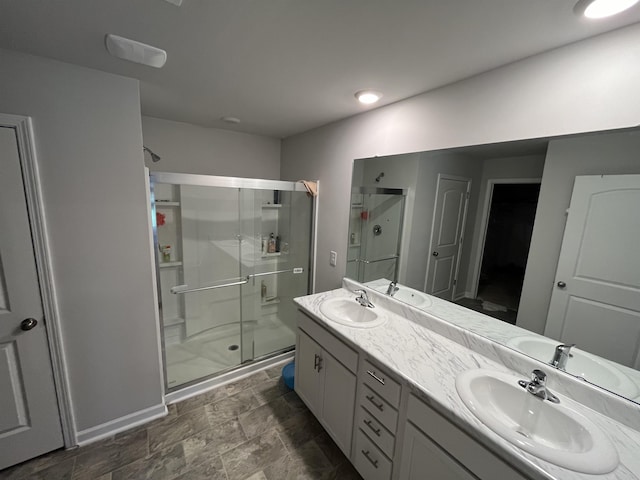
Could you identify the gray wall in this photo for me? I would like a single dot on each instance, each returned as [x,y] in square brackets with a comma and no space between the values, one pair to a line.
[187,148]
[89,147]
[611,153]
[586,86]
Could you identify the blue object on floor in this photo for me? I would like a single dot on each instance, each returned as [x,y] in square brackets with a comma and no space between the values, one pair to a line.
[288,372]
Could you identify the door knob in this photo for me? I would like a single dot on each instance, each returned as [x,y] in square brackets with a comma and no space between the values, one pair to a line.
[561,284]
[435,254]
[28,323]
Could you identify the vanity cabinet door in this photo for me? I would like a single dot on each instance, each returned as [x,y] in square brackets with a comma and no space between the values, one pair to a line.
[339,397]
[308,381]
[424,460]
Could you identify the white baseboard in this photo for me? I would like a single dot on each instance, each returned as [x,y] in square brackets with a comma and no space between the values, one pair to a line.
[99,432]
[462,295]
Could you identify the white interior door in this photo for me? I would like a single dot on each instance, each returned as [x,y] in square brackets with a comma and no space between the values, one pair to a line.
[596,298]
[29,417]
[452,196]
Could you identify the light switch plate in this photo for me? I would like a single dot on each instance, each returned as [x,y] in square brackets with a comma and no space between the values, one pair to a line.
[333,258]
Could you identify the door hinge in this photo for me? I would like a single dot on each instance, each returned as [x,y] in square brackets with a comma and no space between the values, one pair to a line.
[467,195]
[455,281]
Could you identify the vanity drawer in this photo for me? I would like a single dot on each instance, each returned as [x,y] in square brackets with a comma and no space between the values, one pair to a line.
[381,383]
[376,432]
[369,460]
[379,408]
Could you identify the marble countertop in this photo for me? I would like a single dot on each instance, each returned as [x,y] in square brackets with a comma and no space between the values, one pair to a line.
[430,362]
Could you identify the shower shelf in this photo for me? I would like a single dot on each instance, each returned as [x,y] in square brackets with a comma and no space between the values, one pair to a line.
[267,255]
[160,203]
[273,301]
[170,264]
[354,245]
[271,205]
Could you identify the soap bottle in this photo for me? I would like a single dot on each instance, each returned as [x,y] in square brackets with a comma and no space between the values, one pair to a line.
[277,243]
[263,290]
[271,248]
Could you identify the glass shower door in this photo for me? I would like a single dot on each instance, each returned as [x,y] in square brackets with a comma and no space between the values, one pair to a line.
[236,257]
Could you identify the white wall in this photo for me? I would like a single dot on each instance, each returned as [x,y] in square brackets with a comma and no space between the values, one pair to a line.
[586,86]
[89,148]
[187,148]
[607,153]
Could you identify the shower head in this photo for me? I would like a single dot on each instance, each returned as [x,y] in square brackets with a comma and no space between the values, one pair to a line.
[154,156]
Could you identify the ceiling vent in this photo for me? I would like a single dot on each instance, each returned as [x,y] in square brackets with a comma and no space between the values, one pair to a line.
[134,51]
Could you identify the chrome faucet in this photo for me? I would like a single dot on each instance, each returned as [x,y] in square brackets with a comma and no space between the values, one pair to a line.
[392,289]
[561,356]
[363,299]
[538,386]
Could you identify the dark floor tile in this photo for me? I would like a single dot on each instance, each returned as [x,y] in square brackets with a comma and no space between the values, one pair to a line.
[229,408]
[62,470]
[199,400]
[243,384]
[162,465]
[107,456]
[253,455]
[203,446]
[265,417]
[270,389]
[30,467]
[177,429]
[211,470]
[307,462]
[344,471]
[295,402]
[298,429]
[330,449]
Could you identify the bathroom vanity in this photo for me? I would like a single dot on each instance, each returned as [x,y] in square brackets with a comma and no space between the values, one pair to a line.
[399,399]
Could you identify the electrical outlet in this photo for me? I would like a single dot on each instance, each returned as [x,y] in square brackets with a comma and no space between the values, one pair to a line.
[333,258]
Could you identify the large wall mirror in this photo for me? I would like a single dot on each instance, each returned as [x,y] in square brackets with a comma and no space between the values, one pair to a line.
[541,235]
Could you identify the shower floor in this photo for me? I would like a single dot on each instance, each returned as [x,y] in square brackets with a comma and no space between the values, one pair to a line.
[209,352]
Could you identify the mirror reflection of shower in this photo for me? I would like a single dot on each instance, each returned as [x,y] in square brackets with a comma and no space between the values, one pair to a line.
[375,233]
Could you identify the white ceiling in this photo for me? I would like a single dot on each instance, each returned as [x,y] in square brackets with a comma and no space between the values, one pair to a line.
[285,66]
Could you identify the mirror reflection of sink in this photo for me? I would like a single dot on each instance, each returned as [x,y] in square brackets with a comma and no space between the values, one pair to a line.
[346,311]
[409,296]
[582,364]
[552,432]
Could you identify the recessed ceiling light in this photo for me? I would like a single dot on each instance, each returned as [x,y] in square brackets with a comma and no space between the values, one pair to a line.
[368,96]
[602,8]
[134,51]
[230,120]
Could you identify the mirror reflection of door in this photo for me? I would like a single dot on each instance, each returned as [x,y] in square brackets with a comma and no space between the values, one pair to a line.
[512,211]
[597,288]
[450,213]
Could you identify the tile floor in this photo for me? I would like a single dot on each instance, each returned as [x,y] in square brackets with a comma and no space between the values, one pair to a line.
[253,429]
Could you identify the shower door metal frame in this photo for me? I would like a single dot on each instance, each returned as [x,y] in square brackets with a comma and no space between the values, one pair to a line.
[224,182]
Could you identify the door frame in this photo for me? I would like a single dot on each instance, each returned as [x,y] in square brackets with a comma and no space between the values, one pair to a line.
[446,176]
[37,222]
[484,223]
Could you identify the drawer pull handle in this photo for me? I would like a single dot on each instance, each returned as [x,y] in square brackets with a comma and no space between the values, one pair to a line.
[373,462]
[374,430]
[373,374]
[379,406]
[317,365]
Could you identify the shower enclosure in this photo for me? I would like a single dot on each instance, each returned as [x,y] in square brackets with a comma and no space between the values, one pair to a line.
[231,255]
[375,233]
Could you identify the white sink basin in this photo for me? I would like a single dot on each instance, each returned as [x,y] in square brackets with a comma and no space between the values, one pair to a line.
[590,367]
[552,432]
[347,311]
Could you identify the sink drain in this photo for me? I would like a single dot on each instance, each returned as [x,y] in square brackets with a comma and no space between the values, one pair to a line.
[233,347]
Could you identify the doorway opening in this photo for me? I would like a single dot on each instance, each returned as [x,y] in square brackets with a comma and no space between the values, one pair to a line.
[512,210]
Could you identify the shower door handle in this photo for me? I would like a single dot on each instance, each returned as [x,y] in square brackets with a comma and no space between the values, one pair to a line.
[181,289]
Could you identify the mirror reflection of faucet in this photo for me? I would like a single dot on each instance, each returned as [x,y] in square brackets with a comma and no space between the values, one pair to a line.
[393,288]
[561,356]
